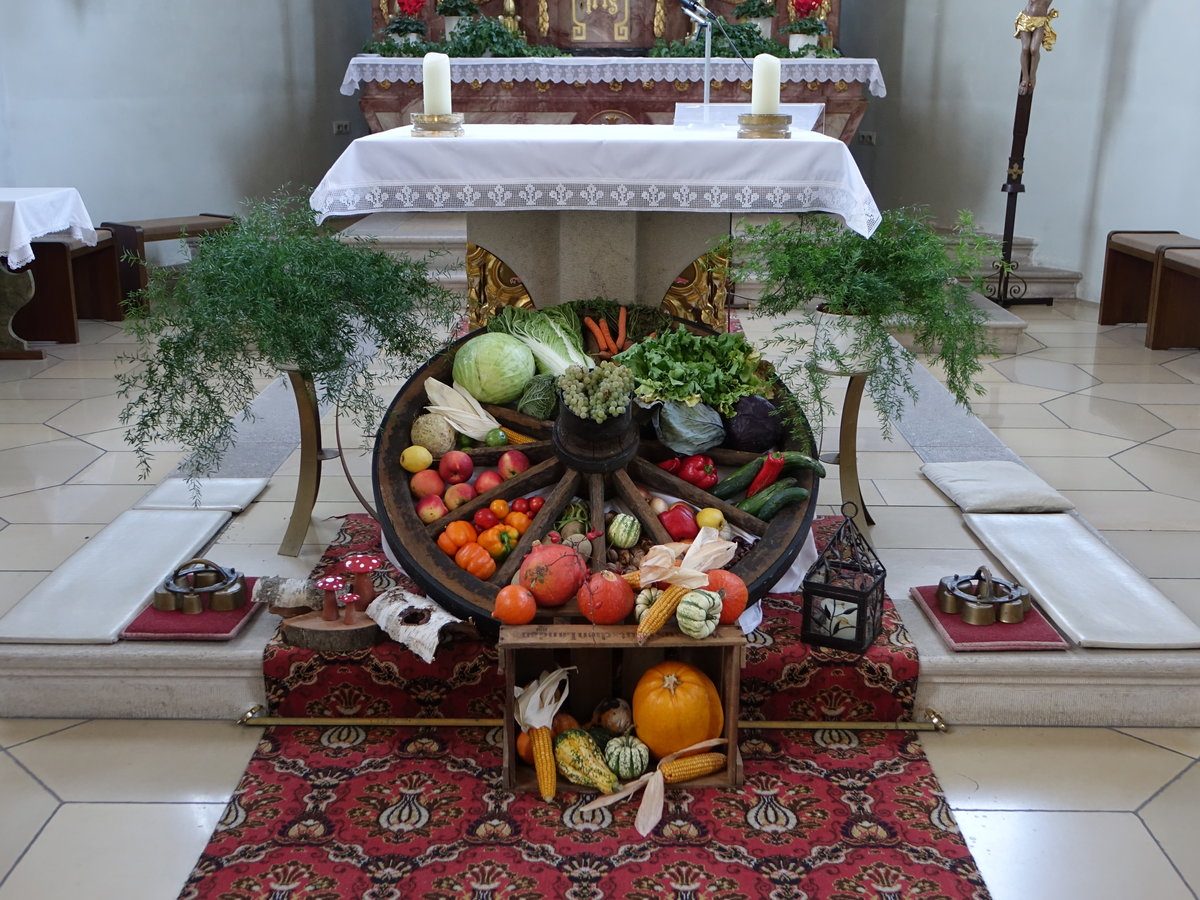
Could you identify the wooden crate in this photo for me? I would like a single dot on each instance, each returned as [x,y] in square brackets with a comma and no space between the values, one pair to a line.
[609,663]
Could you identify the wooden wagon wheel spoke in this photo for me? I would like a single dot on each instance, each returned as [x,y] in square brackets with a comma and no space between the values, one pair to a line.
[662,480]
[534,478]
[639,507]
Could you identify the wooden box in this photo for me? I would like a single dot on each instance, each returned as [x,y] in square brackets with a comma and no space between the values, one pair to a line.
[609,663]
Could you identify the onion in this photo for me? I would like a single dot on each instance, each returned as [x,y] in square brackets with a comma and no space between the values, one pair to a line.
[659,505]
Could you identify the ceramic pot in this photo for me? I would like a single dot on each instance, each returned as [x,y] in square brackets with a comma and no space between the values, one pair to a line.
[451,23]
[763,25]
[796,41]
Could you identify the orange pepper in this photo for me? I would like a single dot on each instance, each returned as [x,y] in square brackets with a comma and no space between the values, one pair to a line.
[455,535]
[499,541]
[500,508]
[475,560]
[519,521]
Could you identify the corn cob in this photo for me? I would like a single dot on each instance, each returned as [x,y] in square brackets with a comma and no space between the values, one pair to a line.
[688,767]
[633,579]
[662,610]
[543,761]
[515,437]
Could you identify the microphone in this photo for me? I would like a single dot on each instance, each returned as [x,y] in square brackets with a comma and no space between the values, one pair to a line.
[694,9]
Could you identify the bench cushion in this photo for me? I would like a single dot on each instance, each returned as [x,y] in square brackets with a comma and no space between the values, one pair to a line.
[996,486]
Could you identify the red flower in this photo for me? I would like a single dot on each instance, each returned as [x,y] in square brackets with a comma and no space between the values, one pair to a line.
[806,8]
[409,7]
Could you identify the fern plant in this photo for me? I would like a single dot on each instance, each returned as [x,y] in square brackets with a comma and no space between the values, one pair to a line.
[907,278]
[270,292]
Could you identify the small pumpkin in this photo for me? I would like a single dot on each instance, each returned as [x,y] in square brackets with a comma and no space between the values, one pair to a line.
[734,596]
[613,714]
[698,613]
[676,705]
[627,756]
[624,531]
[645,600]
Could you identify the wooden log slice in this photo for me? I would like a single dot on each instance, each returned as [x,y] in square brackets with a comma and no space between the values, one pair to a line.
[311,632]
[413,542]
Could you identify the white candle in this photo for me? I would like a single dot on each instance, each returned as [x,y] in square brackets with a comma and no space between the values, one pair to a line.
[436,79]
[764,89]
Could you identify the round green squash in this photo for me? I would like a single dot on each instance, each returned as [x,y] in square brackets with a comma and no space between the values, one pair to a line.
[627,757]
[624,531]
[699,613]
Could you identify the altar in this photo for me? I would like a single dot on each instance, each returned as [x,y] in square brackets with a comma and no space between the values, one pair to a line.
[581,212]
[606,90]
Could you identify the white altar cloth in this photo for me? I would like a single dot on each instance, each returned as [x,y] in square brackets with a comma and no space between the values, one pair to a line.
[603,69]
[30,213]
[656,168]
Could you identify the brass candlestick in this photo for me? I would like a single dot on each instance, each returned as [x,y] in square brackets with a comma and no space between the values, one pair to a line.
[764,125]
[437,125]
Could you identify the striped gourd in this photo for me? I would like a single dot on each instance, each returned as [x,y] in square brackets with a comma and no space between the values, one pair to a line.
[580,761]
[627,757]
[699,613]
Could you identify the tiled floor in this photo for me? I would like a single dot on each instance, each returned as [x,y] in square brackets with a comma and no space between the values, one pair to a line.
[1055,813]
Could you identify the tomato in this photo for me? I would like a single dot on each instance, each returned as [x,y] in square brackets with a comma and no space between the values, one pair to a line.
[515,605]
[499,507]
[485,519]
[536,503]
[521,505]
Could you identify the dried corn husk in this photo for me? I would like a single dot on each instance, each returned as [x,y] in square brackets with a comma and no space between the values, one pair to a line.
[460,409]
[706,552]
[537,704]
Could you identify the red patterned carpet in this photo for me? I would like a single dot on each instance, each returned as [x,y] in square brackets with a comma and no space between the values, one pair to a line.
[390,813]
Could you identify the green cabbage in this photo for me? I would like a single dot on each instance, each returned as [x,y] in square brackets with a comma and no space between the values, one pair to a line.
[540,398]
[553,336]
[688,429]
[493,368]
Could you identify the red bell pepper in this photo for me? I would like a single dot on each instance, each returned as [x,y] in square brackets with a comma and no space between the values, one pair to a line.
[671,465]
[680,522]
[771,467]
[700,471]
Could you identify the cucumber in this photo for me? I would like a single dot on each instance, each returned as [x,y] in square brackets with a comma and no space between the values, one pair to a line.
[779,500]
[794,461]
[754,505]
[737,481]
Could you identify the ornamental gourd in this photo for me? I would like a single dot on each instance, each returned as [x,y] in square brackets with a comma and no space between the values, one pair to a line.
[624,531]
[699,613]
[676,705]
[645,600]
[627,756]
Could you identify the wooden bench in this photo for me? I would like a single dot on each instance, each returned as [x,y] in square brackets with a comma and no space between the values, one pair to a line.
[1129,264]
[1174,314]
[72,281]
[132,237]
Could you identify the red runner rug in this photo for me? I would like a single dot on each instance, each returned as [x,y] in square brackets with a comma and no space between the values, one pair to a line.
[386,814]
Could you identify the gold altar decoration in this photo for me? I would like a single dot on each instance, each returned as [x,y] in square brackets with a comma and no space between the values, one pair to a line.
[981,599]
[699,293]
[543,17]
[660,18]
[510,19]
[593,12]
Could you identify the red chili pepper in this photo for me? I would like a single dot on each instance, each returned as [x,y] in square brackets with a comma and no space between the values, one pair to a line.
[671,465]
[700,471]
[771,467]
[680,523]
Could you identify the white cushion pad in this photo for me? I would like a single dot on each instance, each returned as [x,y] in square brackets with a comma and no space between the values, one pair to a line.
[1090,591]
[995,485]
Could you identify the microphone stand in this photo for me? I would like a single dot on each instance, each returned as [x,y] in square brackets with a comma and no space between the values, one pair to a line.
[706,24]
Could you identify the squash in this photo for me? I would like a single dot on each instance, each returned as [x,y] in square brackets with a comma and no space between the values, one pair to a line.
[676,705]
[627,756]
[698,613]
[580,761]
[645,600]
[613,714]
[624,531]
[734,596]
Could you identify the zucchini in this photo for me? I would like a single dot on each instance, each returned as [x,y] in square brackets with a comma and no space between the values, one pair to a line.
[737,481]
[794,461]
[754,505]
[780,499]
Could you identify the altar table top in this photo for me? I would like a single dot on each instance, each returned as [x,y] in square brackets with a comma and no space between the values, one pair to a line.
[603,69]
[30,213]
[596,167]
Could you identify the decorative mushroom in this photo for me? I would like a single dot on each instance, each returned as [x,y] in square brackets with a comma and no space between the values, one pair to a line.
[361,566]
[350,609]
[331,585]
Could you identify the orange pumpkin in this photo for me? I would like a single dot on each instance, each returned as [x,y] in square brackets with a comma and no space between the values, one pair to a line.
[676,705]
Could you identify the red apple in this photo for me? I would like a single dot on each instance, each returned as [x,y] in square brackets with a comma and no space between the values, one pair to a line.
[458,494]
[431,508]
[426,483]
[455,467]
[487,479]
[512,463]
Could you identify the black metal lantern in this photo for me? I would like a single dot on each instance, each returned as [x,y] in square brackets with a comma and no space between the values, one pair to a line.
[843,591]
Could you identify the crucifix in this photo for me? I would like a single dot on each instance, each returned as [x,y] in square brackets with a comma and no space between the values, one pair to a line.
[1035,32]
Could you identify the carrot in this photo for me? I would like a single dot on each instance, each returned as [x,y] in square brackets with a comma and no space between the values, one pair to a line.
[607,335]
[619,343]
[596,332]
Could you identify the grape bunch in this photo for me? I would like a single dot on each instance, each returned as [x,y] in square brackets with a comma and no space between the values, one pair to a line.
[598,394]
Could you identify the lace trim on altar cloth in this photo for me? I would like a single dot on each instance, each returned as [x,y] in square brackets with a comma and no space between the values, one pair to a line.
[861,215]
[600,70]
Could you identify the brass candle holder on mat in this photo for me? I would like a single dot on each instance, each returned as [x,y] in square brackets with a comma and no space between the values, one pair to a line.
[764,125]
[437,125]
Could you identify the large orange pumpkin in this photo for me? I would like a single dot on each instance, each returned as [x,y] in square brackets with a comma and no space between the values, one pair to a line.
[676,705]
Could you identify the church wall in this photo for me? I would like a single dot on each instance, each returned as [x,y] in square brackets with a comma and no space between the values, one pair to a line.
[155,108]
[1113,136]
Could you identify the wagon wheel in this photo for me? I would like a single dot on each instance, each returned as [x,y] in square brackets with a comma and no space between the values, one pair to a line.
[560,476]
